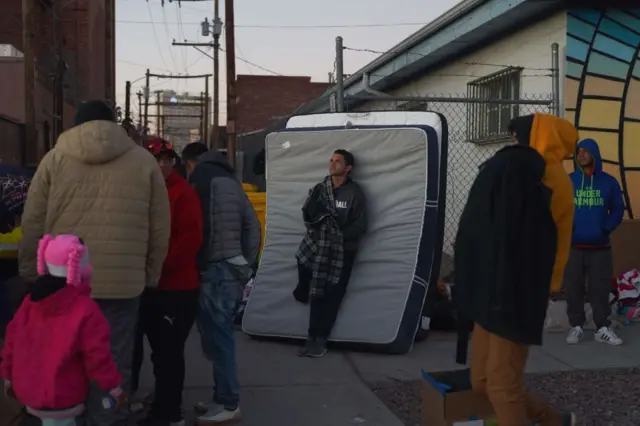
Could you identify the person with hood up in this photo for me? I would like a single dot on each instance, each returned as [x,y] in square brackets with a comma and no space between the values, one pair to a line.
[58,341]
[226,262]
[167,313]
[520,210]
[99,185]
[599,211]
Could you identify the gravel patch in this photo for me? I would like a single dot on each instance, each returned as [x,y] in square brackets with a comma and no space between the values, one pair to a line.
[608,397]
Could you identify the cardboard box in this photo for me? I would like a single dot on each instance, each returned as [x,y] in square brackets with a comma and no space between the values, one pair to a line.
[447,400]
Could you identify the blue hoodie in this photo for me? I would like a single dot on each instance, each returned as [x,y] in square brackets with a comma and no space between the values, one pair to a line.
[598,201]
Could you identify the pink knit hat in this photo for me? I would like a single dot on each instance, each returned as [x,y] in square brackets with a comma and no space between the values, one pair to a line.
[64,256]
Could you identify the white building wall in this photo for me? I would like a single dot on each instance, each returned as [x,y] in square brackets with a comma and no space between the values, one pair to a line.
[529,48]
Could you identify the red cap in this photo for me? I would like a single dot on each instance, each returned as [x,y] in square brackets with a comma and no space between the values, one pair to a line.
[157,146]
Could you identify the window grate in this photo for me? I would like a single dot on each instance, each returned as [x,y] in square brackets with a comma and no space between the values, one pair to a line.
[489,121]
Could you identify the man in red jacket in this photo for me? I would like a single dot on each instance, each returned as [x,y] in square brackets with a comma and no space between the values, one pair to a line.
[167,313]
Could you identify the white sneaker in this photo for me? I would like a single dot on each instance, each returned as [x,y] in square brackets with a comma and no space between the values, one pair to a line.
[219,415]
[607,335]
[575,335]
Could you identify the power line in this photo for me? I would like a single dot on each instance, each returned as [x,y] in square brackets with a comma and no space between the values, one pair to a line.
[378,52]
[155,35]
[166,28]
[293,27]
[197,47]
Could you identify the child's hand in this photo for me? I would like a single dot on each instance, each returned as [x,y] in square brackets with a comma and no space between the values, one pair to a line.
[8,390]
[119,398]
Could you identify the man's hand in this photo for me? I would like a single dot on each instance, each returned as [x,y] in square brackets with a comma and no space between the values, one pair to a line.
[122,402]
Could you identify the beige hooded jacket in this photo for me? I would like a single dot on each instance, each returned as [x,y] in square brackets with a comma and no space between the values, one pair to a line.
[99,185]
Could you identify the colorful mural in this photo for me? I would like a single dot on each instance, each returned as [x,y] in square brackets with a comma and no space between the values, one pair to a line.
[602,90]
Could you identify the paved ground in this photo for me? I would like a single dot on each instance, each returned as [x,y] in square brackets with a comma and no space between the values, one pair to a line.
[278,388]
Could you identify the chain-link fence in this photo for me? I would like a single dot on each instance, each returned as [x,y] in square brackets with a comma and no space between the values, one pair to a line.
[477,129]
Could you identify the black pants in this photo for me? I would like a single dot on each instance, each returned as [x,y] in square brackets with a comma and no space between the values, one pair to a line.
[166,318]
[590,270]
[324,311]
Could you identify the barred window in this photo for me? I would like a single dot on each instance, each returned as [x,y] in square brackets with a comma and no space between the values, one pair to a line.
[488,122]
[413,106]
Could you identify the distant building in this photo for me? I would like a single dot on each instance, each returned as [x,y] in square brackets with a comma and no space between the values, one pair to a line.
[179,117]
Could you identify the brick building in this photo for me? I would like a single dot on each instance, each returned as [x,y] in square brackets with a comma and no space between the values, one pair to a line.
[263,98]
[88,48]
[263,101]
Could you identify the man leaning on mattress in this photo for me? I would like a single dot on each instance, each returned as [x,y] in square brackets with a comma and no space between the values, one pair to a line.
[336,219]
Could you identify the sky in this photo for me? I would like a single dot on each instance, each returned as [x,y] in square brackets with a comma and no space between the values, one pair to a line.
[285,37]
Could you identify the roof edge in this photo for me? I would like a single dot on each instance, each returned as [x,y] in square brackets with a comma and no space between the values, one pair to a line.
[450,16]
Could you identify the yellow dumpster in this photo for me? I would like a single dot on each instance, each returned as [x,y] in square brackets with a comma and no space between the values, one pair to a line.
[9,244]
[249,188]
[259,202]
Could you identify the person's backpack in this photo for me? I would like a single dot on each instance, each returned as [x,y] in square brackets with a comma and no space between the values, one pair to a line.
[505,249]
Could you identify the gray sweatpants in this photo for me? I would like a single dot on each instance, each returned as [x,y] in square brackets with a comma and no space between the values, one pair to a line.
[122,316]
[588,272]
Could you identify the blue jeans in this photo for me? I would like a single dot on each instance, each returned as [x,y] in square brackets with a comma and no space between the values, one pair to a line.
[220,297]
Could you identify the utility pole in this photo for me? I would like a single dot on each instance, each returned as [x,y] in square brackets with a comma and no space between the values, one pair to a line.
[231,81]
[127,101]
[203,101]
[31,138]
[205,134]
[339,74]
[215,132]
[146,101]
[158,113]
[139,94]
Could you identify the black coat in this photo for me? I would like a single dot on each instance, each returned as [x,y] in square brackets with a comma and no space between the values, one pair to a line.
[506,247]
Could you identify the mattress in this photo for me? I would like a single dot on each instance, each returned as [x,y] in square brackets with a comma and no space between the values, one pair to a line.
[401,168]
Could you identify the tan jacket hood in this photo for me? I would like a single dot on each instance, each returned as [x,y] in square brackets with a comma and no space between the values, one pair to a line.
[95,142]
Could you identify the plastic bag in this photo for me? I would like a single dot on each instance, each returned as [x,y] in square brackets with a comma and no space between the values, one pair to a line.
[557,319]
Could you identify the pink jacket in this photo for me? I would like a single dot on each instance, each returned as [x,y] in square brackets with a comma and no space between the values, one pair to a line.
[55,346]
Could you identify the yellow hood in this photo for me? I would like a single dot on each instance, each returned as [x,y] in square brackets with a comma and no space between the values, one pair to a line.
[553,137]
[95,142]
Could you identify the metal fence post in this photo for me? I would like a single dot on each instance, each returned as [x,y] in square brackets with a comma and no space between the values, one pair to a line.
[555,77]
[339,74]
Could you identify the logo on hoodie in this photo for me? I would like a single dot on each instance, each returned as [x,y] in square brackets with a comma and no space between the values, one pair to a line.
[588,197]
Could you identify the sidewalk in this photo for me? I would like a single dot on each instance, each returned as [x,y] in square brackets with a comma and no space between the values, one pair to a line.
[279,388]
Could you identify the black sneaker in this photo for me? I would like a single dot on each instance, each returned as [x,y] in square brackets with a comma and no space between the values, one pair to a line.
[569,419]
[304,351]
[317,349]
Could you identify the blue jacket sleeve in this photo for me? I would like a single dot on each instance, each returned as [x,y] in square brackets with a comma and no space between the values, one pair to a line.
[616,208]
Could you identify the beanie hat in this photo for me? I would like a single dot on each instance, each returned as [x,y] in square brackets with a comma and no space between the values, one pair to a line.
[64,256]
[93,111]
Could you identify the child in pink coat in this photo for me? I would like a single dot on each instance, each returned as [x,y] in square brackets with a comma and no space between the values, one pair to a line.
[59,340]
